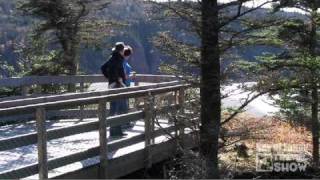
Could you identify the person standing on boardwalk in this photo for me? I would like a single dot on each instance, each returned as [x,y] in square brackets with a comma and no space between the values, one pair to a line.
[130,76]
[113,70]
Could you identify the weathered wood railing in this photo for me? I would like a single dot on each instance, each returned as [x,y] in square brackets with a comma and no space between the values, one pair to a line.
[39,106]
[26,82]
[54,98]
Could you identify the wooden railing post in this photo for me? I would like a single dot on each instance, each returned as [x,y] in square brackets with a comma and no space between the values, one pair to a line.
[42,143]
[176,97]
[149,128]
[171,98]
[37,89]
[136,83]
[136,100]
[24,90]
[102,111]
[181,100]
[82,106]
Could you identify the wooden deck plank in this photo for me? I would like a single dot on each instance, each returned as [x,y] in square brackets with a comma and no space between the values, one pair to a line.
[31,138]
[128,163]
[89,153]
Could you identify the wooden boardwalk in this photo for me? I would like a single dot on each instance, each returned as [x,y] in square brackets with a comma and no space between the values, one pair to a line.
[68,145]
[74,147]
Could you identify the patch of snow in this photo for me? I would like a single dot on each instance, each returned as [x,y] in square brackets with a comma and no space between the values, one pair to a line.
[237,95]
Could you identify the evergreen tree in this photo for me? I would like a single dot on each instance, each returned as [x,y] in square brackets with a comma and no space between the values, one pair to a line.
[309,63]
[294,73]
[69,21]
[221,28]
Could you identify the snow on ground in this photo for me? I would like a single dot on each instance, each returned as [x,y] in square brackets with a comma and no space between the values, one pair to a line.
[261,106]
[255,3]
[104,86]
[98,87]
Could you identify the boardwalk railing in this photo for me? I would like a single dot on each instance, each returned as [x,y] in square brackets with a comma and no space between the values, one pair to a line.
[26,82]
[41,105]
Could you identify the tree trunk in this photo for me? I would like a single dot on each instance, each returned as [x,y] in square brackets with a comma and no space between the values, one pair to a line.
[70,48]
[315,127]
[315,96]
[70,45]
[210,88]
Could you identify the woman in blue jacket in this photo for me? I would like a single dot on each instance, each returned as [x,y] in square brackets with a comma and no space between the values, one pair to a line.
[130,75]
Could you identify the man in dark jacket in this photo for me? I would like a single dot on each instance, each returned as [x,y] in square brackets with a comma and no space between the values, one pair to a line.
[116,78]
[116,74]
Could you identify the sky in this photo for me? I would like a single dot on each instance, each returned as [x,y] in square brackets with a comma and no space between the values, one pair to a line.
[252,3]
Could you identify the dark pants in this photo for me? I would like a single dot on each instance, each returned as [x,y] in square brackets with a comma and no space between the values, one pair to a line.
[118,107]
[124,108]
[115,109]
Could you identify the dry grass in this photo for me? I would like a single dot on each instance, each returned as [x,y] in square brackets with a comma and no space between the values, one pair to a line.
[259,131]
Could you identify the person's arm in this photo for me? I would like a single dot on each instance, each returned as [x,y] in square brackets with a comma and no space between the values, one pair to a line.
[131,74]
[121,74]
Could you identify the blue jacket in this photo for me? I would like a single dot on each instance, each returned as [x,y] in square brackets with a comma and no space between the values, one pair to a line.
[127,70]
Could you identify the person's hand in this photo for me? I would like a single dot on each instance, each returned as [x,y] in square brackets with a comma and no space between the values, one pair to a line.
[122,85]
[120,82]
[133,75]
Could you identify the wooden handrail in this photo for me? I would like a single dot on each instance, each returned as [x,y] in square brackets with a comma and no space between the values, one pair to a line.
[26,82]
[53,98]
[45,80]
[86,101]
